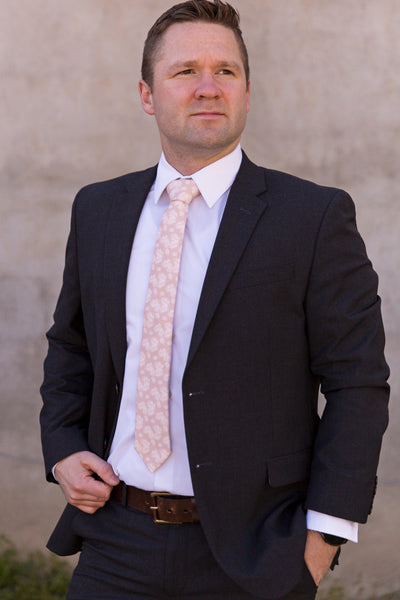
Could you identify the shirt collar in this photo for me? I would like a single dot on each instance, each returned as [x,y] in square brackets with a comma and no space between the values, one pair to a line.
[212,181]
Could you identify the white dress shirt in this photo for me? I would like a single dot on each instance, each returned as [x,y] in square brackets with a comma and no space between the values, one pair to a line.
[204,217]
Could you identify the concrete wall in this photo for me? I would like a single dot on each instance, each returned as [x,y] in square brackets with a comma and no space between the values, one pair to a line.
[325,105]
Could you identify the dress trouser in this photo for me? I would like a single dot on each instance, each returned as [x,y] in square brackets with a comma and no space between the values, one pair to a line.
[125,556]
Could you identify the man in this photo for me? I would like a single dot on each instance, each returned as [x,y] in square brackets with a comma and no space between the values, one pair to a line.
[251,494]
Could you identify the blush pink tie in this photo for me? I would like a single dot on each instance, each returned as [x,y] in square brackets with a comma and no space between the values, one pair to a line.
[152,439]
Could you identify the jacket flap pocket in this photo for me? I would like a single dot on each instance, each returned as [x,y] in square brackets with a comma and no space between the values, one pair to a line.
[284,470]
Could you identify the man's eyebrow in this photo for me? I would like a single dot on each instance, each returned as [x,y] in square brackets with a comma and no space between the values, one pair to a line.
[193,63]
[230,65]
[182,64]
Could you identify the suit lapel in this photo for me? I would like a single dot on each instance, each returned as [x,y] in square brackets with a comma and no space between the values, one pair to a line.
[123,219]
[246,203]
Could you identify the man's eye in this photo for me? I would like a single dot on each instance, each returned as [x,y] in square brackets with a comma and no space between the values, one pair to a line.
[225,72]
[185,72]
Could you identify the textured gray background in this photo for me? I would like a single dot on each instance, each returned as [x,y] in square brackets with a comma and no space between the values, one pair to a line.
[325,105]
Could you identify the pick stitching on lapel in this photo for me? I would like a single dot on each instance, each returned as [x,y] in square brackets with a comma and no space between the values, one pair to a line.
[121,228]
[246,203]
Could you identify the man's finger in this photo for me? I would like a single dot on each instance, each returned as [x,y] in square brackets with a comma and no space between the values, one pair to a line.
[102,468]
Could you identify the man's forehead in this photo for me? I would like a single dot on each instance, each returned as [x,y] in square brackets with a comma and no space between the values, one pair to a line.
[194,36]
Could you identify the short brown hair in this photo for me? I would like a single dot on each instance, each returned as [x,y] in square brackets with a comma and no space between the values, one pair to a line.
[218,12]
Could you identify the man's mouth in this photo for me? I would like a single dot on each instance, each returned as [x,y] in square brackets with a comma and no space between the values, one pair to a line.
[205,114]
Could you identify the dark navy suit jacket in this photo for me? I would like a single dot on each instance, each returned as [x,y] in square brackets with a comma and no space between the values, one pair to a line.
[289,305]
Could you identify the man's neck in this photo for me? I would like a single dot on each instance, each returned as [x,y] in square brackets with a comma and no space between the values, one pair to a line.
[187,165]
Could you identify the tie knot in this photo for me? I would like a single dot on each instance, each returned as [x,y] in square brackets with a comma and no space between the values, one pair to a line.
[183,190]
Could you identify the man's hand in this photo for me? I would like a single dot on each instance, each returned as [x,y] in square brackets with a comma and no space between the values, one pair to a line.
[75,476]
[318,555]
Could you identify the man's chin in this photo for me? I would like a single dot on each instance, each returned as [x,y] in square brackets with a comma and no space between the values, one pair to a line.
[209,140]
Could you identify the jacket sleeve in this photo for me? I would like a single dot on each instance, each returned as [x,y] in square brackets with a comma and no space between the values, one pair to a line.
[68,373]
[346,342]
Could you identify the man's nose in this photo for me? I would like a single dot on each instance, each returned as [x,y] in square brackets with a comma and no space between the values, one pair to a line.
[207,87]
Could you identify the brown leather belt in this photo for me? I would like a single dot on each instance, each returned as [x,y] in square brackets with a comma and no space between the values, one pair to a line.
[162,506]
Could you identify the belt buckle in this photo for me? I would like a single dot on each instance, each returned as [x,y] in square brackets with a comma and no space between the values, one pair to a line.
[154,509]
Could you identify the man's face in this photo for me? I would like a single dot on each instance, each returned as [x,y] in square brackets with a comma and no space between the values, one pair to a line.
[199,95]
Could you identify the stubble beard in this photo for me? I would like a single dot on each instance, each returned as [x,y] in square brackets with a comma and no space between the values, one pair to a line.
[206,140]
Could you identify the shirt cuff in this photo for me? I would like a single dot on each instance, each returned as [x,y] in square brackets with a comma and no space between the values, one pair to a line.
[52,471]
[334,525]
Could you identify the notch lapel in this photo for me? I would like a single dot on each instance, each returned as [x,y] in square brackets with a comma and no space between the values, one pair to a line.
[246,203]
[123,219]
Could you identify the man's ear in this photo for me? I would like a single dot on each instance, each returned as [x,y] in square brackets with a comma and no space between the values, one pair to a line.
[146,97]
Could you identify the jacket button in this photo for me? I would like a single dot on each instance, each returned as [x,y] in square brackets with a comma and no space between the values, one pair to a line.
[117,388]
